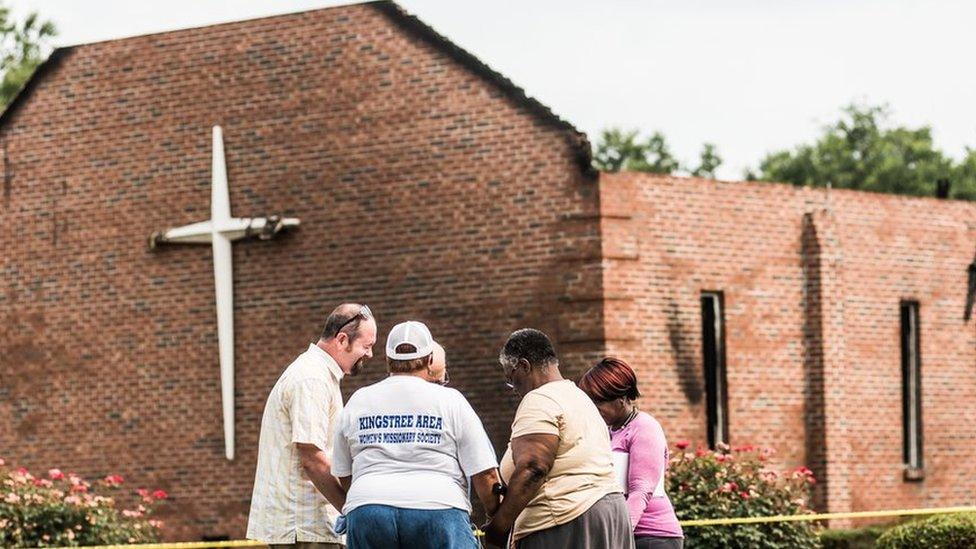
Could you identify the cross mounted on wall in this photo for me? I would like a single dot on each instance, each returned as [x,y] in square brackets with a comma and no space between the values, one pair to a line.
[219,231]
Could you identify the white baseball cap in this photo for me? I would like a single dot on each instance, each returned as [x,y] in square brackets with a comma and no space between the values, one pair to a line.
[413,333]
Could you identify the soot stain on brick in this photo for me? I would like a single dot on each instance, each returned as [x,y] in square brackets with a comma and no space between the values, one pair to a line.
[683,356]
[815,441]
[8,175]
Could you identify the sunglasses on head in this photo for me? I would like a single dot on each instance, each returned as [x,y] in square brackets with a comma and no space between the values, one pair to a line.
[363,313]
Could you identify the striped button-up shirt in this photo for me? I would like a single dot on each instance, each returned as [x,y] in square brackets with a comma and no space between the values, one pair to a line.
[302,408]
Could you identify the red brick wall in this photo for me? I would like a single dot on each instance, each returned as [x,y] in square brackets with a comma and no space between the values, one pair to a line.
[429,189]
[812,282]
[424,188]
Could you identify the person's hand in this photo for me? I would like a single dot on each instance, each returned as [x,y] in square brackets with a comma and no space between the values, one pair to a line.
[494,535]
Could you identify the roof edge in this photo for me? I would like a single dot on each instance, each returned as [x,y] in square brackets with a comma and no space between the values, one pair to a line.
[781,186]
[577,139]
[49,64]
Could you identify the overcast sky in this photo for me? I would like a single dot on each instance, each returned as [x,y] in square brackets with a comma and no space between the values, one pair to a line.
[750,76]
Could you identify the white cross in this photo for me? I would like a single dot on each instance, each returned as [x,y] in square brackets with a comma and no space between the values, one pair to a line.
[220,230]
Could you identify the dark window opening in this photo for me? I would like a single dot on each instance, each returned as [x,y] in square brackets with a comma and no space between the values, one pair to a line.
[713,354]
[911,396]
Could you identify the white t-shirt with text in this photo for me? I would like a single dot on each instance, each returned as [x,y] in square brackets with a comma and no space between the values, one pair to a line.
[411,444]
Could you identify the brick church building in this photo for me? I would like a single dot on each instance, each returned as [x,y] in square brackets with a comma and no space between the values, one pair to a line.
[826,324]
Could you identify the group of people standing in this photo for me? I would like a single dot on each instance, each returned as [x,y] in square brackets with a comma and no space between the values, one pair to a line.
[583,468]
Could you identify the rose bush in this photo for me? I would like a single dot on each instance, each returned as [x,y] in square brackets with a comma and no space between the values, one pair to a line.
[738,482]
[59,509]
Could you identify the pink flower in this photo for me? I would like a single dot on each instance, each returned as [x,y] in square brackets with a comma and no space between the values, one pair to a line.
[43,482]
[682,444]
[2,462]
[142,492]
[160,494]
[55,474]
[728,487]
[23,471]
[79,488]
[744,495]
[114,480]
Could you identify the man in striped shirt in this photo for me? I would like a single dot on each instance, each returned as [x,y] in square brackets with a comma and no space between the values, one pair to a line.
[295,495]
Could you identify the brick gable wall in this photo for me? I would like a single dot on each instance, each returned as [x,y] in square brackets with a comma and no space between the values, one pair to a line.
[423,189]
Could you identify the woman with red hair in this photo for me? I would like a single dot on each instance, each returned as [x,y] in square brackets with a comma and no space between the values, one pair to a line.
[640,448]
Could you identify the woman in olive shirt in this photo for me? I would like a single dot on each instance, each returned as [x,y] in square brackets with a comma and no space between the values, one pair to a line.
[561,487]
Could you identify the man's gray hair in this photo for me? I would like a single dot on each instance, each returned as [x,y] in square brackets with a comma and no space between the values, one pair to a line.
[531,345]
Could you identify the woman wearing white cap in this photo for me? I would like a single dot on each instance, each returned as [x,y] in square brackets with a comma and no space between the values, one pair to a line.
[405,450]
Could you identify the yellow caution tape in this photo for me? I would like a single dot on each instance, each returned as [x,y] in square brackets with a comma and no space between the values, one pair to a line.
[697,522]
[828,516]
[185,545]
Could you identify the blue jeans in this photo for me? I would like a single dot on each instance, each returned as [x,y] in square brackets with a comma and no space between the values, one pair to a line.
[382,526]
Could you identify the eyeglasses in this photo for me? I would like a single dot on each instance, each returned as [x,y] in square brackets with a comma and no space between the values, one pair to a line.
[508,376]
[364,312]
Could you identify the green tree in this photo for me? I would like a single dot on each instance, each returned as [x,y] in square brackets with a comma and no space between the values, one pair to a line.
[708,162]
[619,150]
[964,177]
[863,150]
[623,150]
[23,46]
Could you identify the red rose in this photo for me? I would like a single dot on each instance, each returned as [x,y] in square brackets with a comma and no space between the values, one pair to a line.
[682,444]
[114,480]
[160,494]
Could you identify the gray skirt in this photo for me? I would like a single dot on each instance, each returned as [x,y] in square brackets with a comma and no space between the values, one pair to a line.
[605,525]
[653,542]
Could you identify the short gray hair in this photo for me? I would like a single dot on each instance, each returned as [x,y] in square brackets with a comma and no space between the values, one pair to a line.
[531,345]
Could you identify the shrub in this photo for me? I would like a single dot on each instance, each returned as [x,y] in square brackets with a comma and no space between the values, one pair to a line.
[60,510]
[730,483]
[852,538]
[956,531]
